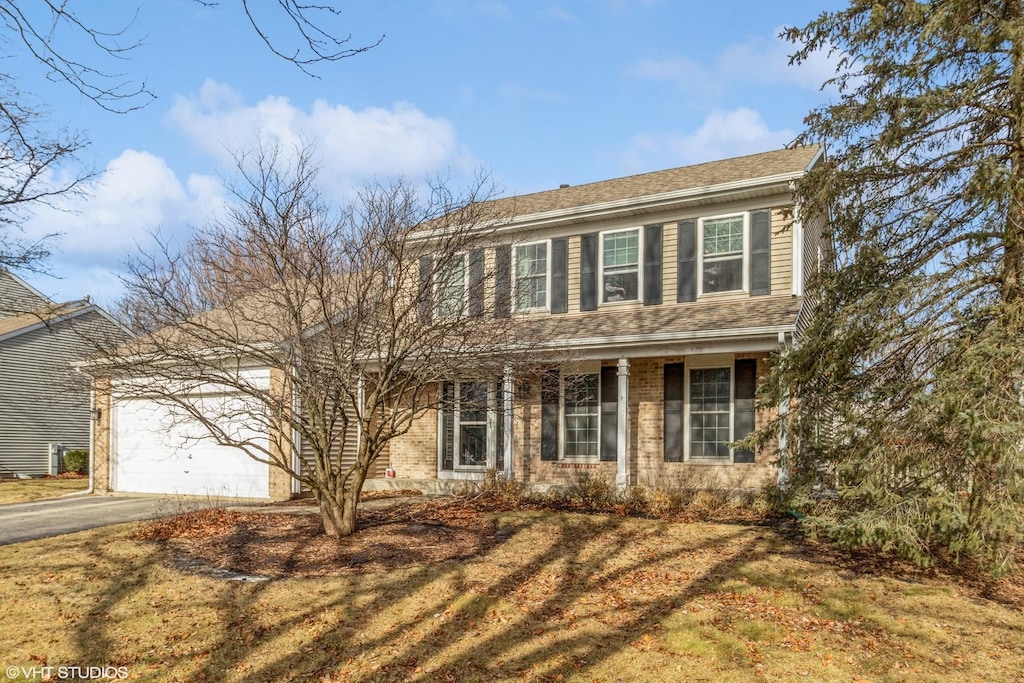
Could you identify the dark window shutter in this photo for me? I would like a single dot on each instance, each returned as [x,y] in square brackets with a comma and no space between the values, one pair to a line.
[499,436]
[549,415]
[560,275]
[448,426]
[476,282]
[502,281]
[686,261]
[761,252]
[673,405]
[743,412]
[652,265]
[588,272]
[609,413]
[426,302]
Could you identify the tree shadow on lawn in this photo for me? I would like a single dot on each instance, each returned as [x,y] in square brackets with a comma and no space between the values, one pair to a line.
[565,596]
[560,597]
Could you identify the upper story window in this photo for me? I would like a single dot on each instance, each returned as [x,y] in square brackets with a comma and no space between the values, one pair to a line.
[722,242]
[620,265]
[450,287]
[531,276]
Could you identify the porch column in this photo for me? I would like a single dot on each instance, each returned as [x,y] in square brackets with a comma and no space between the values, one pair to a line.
[508,386]
[622,435]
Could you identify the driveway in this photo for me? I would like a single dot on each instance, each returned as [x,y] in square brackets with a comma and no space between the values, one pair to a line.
[43,518]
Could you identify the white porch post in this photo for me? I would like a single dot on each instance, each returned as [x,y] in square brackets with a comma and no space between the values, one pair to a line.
[622,419]
[508,386]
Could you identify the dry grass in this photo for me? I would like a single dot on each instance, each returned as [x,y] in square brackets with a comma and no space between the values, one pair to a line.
[25,490]
[566,597]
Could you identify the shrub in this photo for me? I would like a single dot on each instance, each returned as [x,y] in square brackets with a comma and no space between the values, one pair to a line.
[589,492]
[76,461]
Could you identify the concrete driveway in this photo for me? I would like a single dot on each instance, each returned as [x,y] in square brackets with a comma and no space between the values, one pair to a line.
[43,518]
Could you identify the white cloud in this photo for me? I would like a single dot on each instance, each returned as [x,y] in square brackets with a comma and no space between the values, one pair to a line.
[136,195]
[682,72]
[494,8]
[766,60]
[559,13]
[723,134]
[353,145]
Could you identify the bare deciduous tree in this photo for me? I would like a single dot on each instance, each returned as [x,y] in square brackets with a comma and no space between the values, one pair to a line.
[358,313]
[78,49]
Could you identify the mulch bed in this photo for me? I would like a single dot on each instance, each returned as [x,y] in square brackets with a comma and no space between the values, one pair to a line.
[278,544]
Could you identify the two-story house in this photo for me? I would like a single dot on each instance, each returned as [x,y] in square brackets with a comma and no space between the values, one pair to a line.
[650,303]
[666,291]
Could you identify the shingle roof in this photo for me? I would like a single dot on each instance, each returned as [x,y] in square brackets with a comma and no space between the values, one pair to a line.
[763,165]
[689,320]
[43,315]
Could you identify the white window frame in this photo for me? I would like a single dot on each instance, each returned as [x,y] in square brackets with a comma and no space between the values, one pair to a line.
[744,255]
[547,276]
[639,230]
[710,363]
[492,431]
[439,288]
[561,416]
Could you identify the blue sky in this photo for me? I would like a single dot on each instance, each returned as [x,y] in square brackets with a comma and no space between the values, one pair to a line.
[537,93]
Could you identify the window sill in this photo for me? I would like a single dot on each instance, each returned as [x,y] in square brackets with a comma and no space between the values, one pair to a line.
[619,303]
[579,464]
[718,295]
[714,462]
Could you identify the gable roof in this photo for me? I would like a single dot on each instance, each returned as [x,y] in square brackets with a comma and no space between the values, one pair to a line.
[48,315]
[781,162]
[17,296]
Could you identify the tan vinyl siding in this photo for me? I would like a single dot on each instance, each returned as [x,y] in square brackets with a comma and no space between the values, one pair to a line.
[782,252]
[43,400]
[347,453]
[574,274]
[670,238]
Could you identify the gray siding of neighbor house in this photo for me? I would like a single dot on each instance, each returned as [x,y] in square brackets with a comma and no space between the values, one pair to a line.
[43,399]
[15,299]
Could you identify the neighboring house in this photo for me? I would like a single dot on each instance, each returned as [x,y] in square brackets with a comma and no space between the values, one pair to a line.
[44,403]
[665,292]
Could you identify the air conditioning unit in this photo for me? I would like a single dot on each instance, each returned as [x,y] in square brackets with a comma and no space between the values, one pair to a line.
[56,458]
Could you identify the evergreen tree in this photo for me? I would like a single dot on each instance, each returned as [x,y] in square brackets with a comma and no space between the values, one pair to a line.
[907,424]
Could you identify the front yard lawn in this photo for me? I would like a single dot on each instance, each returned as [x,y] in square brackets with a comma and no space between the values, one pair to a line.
[559,597]
[24,490]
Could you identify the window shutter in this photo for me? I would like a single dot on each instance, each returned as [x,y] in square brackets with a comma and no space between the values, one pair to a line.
[476,282]
[549,415]
[448,426]
[560,275]
[588,272]
[652,265]
[673,406]
[609,413]
[761,252]
[426,302]
[502,281]
[743,412]
[686,261]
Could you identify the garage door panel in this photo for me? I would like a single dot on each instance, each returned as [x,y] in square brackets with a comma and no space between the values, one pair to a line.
[156,450]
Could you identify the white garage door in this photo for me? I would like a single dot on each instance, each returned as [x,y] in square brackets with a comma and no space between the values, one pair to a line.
[154,451]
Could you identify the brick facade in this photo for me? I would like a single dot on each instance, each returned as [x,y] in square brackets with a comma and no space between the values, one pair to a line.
[414,455]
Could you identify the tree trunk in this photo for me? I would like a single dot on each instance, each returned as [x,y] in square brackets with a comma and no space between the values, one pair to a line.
[333,513]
